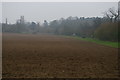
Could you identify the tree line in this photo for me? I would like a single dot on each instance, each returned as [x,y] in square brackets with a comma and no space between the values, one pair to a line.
[103,28]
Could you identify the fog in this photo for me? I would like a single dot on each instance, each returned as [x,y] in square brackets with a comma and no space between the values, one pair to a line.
[40,11]
[59,40]
[83,19]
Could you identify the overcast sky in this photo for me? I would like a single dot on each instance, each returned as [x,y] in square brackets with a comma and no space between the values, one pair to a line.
[40,11]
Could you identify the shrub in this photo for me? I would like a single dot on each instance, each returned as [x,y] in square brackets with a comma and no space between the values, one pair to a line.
[107,31]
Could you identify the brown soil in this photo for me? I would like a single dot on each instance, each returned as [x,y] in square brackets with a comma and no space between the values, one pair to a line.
[50,56]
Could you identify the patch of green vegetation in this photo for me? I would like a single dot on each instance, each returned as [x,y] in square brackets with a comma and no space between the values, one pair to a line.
[107,43]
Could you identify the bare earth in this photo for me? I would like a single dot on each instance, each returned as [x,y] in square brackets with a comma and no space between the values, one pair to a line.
[50,56]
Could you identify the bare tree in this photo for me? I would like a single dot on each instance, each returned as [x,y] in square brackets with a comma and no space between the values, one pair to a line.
[112,14]
[119,10]
[108,16]
[115,13]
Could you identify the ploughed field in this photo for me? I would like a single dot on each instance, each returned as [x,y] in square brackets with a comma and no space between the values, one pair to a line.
[50,56]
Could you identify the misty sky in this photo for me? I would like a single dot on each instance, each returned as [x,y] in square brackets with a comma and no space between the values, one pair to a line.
[40,11]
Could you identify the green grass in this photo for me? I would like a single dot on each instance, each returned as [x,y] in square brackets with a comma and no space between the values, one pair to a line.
[106,43]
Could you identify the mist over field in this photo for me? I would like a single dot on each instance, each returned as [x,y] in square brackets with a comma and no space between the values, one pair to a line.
[60,40]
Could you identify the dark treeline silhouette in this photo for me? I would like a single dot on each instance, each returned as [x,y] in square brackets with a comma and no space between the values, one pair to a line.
[72,25]
[83,27]
[103,28]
